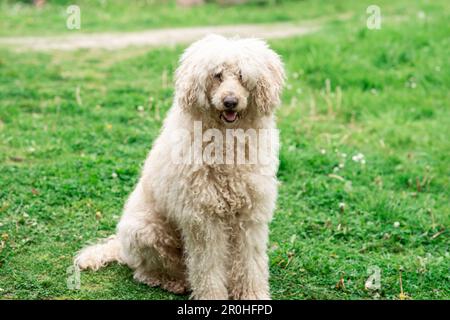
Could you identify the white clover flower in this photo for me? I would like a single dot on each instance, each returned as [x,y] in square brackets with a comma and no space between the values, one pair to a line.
[359,157]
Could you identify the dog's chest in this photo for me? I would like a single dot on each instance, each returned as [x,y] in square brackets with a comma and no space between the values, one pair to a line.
[223,190]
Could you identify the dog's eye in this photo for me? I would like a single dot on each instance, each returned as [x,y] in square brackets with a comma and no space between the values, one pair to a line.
[240,75]
[218,76]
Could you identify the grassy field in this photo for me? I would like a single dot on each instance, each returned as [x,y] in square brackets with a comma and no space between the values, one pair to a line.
[118,15]
[364,161]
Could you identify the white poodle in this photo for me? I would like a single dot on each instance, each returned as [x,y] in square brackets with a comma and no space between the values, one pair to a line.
[203,225]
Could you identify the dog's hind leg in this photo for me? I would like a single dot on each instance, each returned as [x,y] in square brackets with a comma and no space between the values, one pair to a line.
[98,255]
[151,246]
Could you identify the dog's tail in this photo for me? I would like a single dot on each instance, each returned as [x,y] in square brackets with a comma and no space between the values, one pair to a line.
[99,255]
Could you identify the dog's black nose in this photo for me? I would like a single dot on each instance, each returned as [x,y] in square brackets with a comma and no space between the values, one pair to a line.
[230,102]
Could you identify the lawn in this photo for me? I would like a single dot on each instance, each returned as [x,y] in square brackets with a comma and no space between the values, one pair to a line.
[118,15]
[364,161]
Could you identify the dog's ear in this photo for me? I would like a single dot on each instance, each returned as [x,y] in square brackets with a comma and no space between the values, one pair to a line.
[189,90]
[270,83]
[192,77]
[190,87]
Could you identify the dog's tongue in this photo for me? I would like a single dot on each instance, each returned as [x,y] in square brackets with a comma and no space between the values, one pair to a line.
[230,115]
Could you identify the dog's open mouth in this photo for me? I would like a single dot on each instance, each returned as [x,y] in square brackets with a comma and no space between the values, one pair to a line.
[229,116]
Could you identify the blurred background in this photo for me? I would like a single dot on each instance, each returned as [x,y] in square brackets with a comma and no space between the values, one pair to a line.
[363,209]
[48,17]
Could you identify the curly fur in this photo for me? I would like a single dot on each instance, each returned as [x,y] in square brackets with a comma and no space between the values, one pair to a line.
[204,227]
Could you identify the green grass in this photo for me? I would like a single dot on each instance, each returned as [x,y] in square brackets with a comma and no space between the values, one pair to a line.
[107,15]
[67,164]
[101,15]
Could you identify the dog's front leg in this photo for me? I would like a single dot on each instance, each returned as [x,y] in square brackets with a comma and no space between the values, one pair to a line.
[249,275]
[206,254]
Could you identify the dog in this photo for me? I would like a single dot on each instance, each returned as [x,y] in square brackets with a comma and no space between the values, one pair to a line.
[196,226]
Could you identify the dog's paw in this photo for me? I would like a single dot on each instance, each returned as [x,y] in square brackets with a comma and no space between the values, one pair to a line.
[145,278]
[177,287]
[210,295]
[174,286]
[255,296]
[86,261]
[247,294]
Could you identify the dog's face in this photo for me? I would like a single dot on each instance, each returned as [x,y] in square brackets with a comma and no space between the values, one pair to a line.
[227,94]
[229,80]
